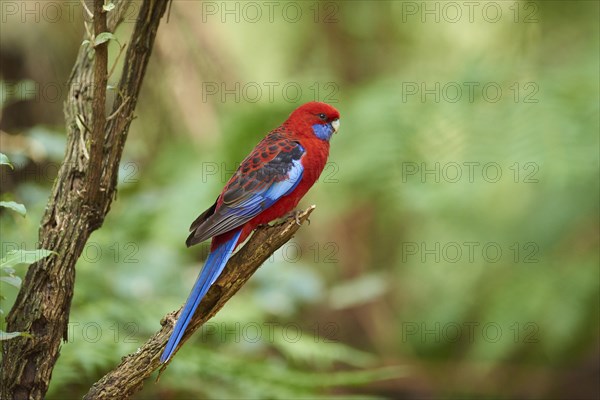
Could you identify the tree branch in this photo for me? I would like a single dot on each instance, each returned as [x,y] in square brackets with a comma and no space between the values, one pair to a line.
[80,199]
[98,104]
[128,377]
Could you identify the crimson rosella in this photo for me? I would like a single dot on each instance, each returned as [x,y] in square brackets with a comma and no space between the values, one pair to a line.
[268,184]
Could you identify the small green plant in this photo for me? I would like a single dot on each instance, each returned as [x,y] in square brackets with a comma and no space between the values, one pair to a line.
[15,257]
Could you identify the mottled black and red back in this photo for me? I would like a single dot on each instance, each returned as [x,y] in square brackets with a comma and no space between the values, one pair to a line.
[272,170]
[269,163]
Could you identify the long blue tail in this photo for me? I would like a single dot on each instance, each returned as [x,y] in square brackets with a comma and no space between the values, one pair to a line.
[213,267]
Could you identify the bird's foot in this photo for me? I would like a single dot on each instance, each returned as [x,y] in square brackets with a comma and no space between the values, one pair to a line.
[296,215]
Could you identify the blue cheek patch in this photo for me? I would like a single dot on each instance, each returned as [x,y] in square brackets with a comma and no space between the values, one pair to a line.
[323,131]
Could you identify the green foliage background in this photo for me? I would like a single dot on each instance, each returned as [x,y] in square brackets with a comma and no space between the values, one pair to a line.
[362,303]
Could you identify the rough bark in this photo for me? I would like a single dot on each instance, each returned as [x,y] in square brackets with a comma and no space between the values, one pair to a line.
[128,377]
[79,201]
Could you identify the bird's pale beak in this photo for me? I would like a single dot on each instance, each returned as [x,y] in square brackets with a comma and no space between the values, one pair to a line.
[335,124]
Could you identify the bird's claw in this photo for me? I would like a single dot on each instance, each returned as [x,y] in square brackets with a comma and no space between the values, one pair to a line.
[296,215]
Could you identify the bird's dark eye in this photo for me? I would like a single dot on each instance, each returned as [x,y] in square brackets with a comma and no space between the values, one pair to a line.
[323,117]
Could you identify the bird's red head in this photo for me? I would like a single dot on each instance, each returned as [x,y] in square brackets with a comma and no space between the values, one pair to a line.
[322,119]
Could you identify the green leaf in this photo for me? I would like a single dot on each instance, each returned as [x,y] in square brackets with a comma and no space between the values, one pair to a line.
[5,161]
[11,280]
[20,208]
[85,42]
[11,335]
[17,257]
[103,37]
[108,7]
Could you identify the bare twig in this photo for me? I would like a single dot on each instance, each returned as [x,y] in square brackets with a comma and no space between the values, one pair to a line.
[87,10]
[118,110]
[121,49]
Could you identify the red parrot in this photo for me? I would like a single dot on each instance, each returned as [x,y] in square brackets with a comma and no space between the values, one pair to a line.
[268,184]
